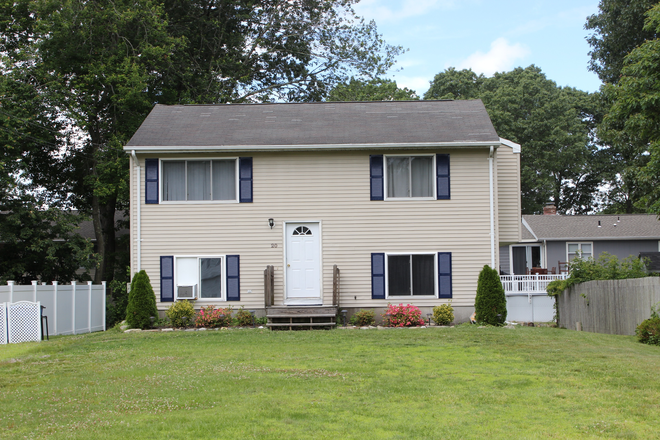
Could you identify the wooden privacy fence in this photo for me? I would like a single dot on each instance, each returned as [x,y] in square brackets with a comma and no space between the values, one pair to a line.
[615,307]
[71,309]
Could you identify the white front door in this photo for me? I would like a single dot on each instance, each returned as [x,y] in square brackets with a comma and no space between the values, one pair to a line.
[303,268]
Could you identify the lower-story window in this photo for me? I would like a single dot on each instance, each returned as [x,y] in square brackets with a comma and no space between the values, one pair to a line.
[411,274]
[201,277]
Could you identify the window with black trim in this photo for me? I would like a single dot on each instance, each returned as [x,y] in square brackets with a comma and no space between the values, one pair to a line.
[411,274]
[410,176]
[199,180]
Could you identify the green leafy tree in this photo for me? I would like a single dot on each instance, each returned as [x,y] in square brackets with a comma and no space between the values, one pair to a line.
[554,125]
[141,302]
[456,84]
[376,89]
[98,67]
[618,28]
[633,120]
[490,302]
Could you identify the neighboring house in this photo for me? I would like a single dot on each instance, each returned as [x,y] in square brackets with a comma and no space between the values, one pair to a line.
[550,239]
[409,200]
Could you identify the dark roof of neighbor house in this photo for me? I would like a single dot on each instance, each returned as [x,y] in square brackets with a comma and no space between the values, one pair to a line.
[579,227]
[314,124]
[86,227]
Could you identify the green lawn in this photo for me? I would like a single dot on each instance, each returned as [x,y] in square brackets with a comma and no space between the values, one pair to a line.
[437,383]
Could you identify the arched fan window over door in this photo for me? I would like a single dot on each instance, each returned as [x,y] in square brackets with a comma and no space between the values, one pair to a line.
[302,230]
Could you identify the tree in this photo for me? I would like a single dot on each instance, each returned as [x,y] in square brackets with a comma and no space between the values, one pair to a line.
[490,302]
[634,115]
[560,161]
[98,67]
[376,89]
[618,29]
[455,84]
[141,302]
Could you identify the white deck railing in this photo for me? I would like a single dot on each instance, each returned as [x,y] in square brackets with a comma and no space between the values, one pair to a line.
[528,284]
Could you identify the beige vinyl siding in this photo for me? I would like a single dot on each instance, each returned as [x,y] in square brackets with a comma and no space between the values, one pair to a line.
[508,190]
[334,189]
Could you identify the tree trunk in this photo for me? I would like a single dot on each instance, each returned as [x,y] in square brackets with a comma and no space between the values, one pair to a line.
[103,217]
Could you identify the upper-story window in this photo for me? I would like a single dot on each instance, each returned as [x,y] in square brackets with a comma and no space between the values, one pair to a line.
[194,180]
[410,177]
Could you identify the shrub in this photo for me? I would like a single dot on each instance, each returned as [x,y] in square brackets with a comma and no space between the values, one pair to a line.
[443,314]
[262,321]
[180,310]
[244,318]
[402,316]
[363,318]
[211,317]
[117,302]
[490,301]
[141,302]
[648,332]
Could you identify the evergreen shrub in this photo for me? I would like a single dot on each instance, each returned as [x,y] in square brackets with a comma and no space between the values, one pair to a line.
[490,300]
[443,314]
[141,302]
[180,310]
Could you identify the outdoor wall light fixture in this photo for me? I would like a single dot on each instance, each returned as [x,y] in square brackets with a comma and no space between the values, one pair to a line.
[271,223]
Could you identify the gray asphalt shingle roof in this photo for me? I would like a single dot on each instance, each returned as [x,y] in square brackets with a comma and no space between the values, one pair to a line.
[623,226]
[305,124]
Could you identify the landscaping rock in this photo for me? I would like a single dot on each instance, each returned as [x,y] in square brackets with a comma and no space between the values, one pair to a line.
[131,330]
[167,330]
[190,330]
[201,329]
[509,326]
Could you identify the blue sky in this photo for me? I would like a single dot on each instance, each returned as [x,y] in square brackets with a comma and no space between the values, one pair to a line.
[486,35]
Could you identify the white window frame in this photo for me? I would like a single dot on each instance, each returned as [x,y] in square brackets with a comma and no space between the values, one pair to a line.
[434,179]
[223,286]
[401,297]
[161,180]
[579,243]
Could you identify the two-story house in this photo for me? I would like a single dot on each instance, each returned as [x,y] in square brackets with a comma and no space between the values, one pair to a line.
[408,200]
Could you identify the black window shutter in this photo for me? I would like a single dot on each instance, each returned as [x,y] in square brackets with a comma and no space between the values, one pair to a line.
[233,278]
[442,171]
[444,274]
[377,177]
[245,179]
[151,181]
[166,279]
[378,276]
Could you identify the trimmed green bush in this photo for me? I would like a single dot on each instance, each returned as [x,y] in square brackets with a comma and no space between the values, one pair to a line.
[363,318]
[244,318]
[141,302]
[443,314]
[648,332]
[180,310]
[490,300]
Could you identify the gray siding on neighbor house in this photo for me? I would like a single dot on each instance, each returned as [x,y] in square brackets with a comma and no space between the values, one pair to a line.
[622,249]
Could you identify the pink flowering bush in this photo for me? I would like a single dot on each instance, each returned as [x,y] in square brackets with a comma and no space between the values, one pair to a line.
[211,317]
[402,316]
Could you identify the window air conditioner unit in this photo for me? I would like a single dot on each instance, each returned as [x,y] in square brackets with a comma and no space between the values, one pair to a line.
[186,292]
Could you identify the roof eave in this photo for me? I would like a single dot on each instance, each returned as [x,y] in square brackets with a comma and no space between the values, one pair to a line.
[598,238]
[307,147]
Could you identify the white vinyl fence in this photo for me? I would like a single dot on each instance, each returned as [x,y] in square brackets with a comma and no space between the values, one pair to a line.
[527,299]
[71,309]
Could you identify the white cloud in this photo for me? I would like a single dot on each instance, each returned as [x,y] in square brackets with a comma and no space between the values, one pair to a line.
[501,57]
[382,10]
[419,84]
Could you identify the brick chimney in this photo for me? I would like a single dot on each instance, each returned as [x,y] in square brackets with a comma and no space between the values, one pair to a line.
[550,209]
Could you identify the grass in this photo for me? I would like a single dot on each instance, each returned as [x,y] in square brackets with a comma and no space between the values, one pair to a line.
[438,383]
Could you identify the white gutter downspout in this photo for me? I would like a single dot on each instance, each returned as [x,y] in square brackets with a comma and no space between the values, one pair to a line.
[492,207]
[139,229]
